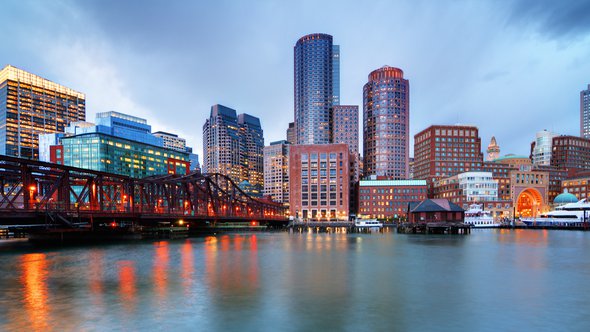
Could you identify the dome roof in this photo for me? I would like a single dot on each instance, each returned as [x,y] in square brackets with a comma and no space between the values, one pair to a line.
[564,198]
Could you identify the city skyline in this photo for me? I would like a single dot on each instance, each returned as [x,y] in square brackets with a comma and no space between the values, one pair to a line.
[498,65]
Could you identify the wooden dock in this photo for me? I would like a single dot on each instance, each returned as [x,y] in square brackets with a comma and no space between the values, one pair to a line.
[434,228]
[329,227]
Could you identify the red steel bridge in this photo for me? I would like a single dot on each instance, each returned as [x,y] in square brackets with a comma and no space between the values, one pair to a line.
[33,192]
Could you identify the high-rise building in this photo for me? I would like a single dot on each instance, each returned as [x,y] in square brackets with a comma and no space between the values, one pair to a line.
[120,125]
[571,153]
[31,105]
[585,113]
[314,88]
[222,143]
[253,150]
[319,181]
[541,148]
[345,126]
[386,124]
[233,146]
[171,141]
[336,74]
[493,150]
[276,171]
[444,151]
[291,133]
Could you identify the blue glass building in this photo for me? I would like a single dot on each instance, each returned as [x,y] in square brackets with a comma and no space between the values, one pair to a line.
[314,89]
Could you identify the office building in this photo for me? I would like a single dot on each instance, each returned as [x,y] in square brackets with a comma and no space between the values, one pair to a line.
[336,74]
[319,181]
[31,105]
[585,113]
[389,199]
[541,148]
[346,126]
[571,153]
[252,147]
[276,171]
[171,141]
[291,133]
[386,124]
[314,89]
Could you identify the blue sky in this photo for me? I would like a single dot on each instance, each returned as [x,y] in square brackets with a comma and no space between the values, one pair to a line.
[509,67]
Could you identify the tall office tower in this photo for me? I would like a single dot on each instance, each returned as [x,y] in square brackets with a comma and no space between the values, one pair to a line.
[276,171]
[571,153]
[493,150]
[444,151]
[345,126]
[313,88]
[541,148]
[291,134]
[172,141]
[31,105]
[386,124]
[585,113]
[252,150]
[222,143]
[336,74]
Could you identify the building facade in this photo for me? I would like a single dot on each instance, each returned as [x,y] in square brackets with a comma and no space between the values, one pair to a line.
[222,143]
[580,187]
[493,150]
[571,153]
[444,151]
[345,126]
[541,148]
[31,105]
[319,181]
[314,88]
[386,124]
[585,113]
[336,74]
[252,147]
[171,141]
[276,171]
[291,133]
[389,199]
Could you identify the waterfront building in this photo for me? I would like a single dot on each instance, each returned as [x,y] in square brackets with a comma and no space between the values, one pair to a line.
[541,148]
[388,199]
[585,113]
[314,88]
[319,181]
[252,147]
[31,105]
[346,126]
[386,124]
[493,150]
[276,171]
[121,125]
[291,133]
[435,210]
[579,186]
[442,151]
[171,141]
[529,191]
[336,74]
[222,143]
[571,153]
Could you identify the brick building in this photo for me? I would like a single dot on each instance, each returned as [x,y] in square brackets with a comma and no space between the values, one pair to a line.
[388,199]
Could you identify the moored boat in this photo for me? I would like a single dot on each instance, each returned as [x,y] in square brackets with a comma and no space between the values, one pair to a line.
[479,218]
[568,215]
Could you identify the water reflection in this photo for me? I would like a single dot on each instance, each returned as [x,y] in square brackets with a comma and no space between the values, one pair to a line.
[95,276]
[160,270]
[187,265]
[35,296]
[127,285]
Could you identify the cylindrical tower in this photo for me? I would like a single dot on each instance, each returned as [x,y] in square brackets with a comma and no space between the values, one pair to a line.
[313,89]
[386,124]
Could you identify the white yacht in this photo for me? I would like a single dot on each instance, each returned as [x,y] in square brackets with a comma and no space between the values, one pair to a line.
[368,223]
[477,217]
[567,215]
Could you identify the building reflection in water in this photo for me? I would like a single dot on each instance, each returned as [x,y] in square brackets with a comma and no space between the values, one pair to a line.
[187,265]
[127,285]
[35,294]
[161,269]
[95,276]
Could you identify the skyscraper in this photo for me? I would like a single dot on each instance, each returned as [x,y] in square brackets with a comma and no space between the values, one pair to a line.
[585,113]
[386,124]
[291,134]
[31,105]
[221,143]
[336,74]
[345,126]
[541,148]
[314,92]
[276,171]
[252,150]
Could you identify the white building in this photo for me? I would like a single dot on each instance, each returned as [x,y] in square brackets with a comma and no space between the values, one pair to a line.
[171,141]
[541,153]
[276,171]
[478,186]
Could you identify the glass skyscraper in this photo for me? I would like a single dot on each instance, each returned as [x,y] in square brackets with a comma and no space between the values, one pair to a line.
[253,150]
[31,105]
[585,113]
[336,74]
[386,124]
[314,88]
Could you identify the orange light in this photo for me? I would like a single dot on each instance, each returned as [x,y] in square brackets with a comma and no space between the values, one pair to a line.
[181,222]
[114,224]
[32,188]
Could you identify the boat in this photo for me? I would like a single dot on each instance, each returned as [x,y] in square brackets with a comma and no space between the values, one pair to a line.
[567,215]
[479,218]
[368,223]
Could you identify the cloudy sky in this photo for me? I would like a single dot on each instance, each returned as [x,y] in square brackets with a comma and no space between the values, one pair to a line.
[509,67]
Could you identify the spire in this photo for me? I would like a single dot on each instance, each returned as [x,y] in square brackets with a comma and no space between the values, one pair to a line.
[493,150]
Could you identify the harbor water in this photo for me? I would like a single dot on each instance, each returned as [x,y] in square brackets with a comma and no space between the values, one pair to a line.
[491,280]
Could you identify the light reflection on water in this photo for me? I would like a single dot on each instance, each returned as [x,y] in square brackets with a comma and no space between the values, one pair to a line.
[489,280]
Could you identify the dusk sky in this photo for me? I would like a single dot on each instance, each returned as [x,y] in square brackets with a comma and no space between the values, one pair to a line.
[509,67]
